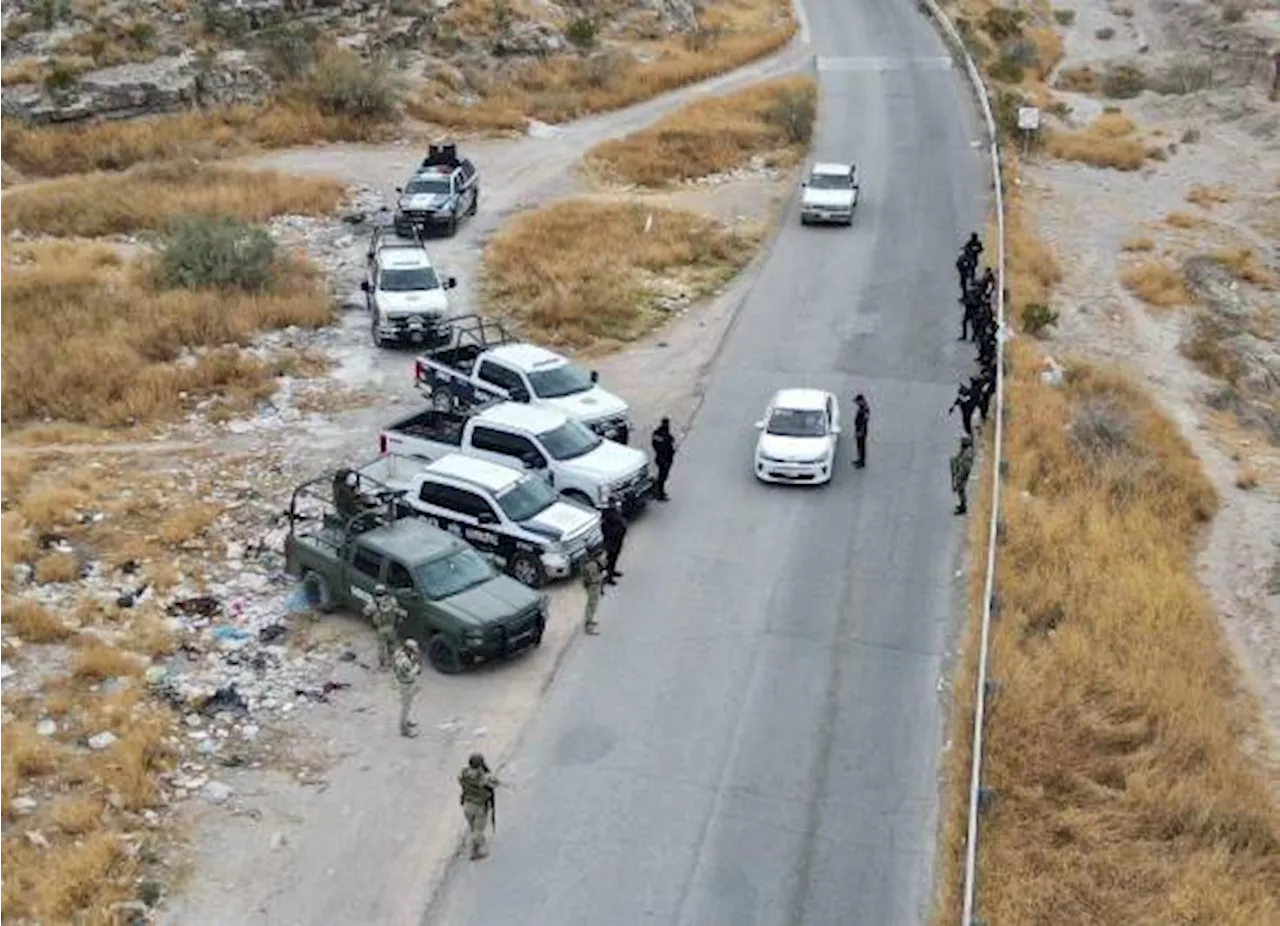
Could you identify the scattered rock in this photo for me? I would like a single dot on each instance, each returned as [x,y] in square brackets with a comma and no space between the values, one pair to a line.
[216,792]
[37,839]
[278,841]
[24,804]
[102,740]
[47,727]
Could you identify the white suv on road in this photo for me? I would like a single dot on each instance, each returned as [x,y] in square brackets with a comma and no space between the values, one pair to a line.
[798,437]
[830,194]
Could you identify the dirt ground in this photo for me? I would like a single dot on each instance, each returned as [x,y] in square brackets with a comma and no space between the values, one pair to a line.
[1223,139]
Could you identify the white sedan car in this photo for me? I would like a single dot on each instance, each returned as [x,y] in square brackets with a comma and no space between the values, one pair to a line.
[798,437]
[830,194]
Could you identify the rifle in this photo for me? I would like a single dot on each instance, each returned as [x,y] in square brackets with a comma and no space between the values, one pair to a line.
[493,809]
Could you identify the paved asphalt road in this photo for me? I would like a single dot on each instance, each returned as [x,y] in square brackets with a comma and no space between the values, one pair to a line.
[753,738]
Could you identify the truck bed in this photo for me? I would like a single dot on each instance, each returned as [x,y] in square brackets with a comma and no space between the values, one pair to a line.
[392,470]
[433,425]
[459,357]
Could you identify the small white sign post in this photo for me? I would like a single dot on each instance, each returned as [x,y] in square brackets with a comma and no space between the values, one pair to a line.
[1028,123]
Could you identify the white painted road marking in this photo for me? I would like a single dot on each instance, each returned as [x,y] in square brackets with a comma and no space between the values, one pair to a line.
[872,63]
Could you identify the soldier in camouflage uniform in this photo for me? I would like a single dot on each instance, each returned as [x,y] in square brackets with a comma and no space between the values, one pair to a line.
[408,666]
[593,582]
[478,787]
[386,613]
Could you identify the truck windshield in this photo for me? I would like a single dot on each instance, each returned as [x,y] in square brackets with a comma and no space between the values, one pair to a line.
[408,281]
[830,181]
[526,498]
[563,380]
[421,185]
[453,574]
[797,422]
[571,439]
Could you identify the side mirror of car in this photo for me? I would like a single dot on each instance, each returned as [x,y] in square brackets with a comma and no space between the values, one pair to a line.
[759,425]
[451,282]
[533,461]
[400,190]
[595,376]
[835,429]
[364,285]
[804,183]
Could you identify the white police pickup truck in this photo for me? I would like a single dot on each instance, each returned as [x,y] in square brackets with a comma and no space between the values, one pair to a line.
[482,357]
[575,461]
[407,299]
[511,516]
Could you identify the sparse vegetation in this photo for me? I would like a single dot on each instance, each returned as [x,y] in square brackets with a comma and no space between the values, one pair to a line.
[1182,220]
[1159,816]
[1205,346]
[1244,263]
[216,251]
[1105,143]
[97,662]
[91,340]
[1156,283]
[1123,82]
[344,85]
[773,119]
[1233,11]
[1137,244]
[1078,80]
[1037,319]
[1064,17]
[33,623]
[1208,196]
[565,87]
[58,567]
[148,197]
[1106,33]
[575,289]
[1182,77]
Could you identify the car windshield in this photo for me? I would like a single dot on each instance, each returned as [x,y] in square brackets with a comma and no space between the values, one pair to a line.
[455,573]
[563,380]
[829,182]
[526,498]
[419,185]
[797,422]
[571,439]
[408,280]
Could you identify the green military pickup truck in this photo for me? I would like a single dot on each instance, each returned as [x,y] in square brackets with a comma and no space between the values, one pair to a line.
[460,609]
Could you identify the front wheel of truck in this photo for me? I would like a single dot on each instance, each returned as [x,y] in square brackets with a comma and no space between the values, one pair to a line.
[315,588]
[527,569]
[443,655]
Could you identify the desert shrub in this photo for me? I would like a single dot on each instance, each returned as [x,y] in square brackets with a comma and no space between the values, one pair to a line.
[1038,318]
[1105,34]
[1007,104]
[60,77]
[1181,78]
[215,251]
[1233,11]
[1002,24]
[1123,82]
[1006,70]
[342,84]
[289,51]
[48,13]
[222,18]
[582,32]
[1102,427]
[1064,17]
[142,34]
[794,114]
[1078,80]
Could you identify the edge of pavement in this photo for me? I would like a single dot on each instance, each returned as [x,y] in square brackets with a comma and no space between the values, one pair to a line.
[724,311]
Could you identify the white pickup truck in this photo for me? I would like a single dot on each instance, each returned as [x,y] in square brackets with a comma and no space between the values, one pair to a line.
[483,359]
[577,462]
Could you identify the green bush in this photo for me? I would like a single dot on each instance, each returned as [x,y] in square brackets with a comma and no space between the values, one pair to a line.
[1123,82]
[794,114]
[1002,24]
[1104,34]
[60,77]
[289,51]
[581,33]
[342,84]
[218,251]
[1064,17]
[142,34]
[1007,70]
[1037,319]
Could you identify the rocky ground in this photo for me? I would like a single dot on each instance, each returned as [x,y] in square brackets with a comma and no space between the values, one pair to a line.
[1208,209]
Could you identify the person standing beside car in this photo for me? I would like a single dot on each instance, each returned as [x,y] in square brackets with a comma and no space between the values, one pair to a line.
[664,454]
[861,422]
[614,527]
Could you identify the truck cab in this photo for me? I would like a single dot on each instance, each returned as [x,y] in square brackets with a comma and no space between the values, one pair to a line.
[460,609]
[444,188]
[510,515]
[407,299]
[575,461]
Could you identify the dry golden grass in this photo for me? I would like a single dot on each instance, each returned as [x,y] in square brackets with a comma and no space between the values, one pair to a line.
[146,198]
[1208,196]
[15,475]
[1247,476]
[1031,267]
[53,506]
[568,86]
[54,151]
[1049,50]
[22,71]
[576,289]
[1078,80]
[96,661]
[150,636]
[1115,741]
[94,343]
[58,567]
[1104,143]
[16,544]
[33,623]
[77,814]
[1182,220]
[706,137]
[1156,283]
[1244,263]
[188,522]
[1142,243]
[76,881]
